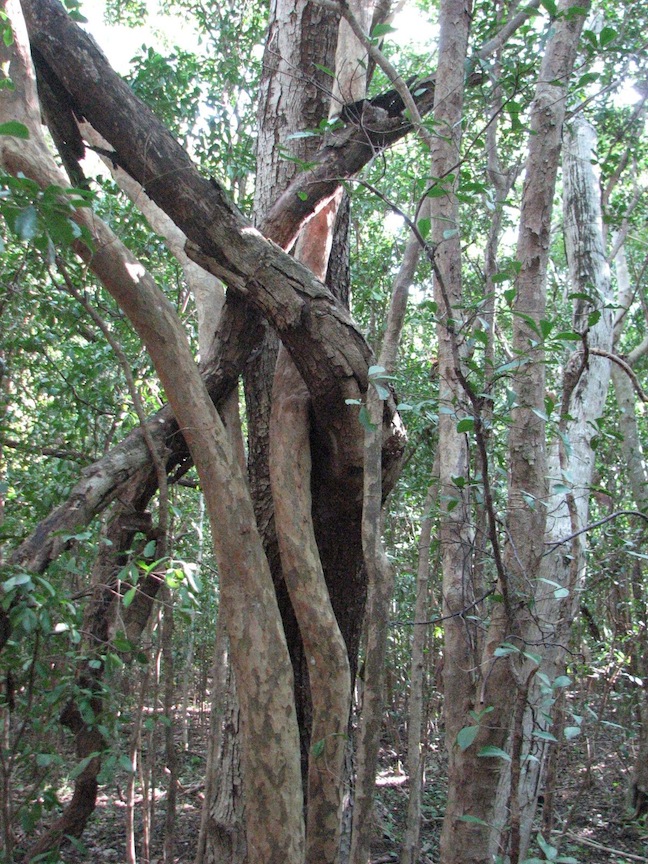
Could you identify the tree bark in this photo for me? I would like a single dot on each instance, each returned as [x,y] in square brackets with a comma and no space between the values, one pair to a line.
[455,529]
[585,387]
[271,748]
[474,780]
[239,332]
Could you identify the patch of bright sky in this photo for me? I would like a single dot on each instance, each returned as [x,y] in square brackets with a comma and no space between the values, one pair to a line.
[414,30]
[121,43]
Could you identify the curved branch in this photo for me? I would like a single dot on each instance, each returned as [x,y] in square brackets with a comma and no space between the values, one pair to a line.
[621,363]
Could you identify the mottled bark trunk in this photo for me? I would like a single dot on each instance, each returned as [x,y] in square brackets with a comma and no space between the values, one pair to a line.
[585,385]
[455,528]
[275,826]
[505,672]
[380,572]
[415,749]
[634,458]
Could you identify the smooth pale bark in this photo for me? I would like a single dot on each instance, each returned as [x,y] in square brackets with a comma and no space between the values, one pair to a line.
[207,291]
[455,529]
[325,651]
[222,836]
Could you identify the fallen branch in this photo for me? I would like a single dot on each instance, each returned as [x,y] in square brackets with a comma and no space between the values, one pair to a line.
[587,842]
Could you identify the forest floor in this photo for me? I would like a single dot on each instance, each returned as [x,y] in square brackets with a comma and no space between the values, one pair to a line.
[590,804]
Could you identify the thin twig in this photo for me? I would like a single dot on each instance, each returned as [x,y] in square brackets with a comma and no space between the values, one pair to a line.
[592,525]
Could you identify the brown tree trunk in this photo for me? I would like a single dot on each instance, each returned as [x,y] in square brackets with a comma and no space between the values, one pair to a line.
[474,780]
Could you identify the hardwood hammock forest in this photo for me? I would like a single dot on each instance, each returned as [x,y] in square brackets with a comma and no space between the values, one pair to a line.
[323,493]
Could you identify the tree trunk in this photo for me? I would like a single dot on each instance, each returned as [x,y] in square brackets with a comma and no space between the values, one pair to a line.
[415,759]
[585,385]
[505,672]
[633,455]
[455,529]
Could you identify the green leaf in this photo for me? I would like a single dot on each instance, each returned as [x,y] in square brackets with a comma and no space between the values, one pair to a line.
[473,820]
[382,30]
[571,732]
[14,128]
[125,763]
[304,133]
[365,419]
[607,35]
[559,590]
[467,736]
[129,596]
[466,425]
[509,296]
[550,6]
[83,764]
[546,327]
[325,70]
[44,759]
[505,649]
[174,578]
[588,78]
[424,226]
[303,196]
[544,736]
[149,549]
[500,277]
[594,317]
[317,749]
[14,581]
[562,681]
[550,851]
[121,643]
[491,752]
[576,11]
[568,336]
